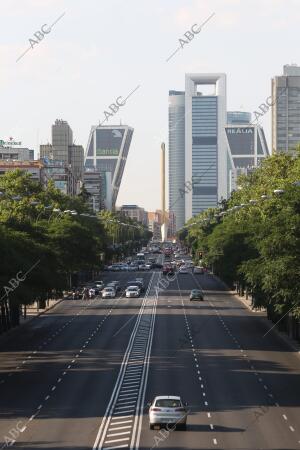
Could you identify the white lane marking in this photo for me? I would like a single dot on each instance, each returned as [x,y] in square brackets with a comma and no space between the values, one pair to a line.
[291,428]
[284,416]
[116,440]
[206,404]
[208,415]
[122,433]
[122,417]
[119,428]
[47,397]
[40,406]
[129,390]
[211,426]
[125,411]
[125,404]
[117,446]
[53,388]
[215,441]
[120,422]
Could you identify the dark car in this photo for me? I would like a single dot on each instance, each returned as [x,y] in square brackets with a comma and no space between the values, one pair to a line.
[140,284]
[196,294]
[157,266]
[168,269]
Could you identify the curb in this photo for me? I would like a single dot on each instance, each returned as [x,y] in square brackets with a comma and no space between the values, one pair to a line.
[270,325]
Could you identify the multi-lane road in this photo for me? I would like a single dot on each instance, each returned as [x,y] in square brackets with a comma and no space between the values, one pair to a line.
[80,376]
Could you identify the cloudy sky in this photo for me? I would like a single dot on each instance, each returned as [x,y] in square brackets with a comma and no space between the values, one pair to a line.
[100,50]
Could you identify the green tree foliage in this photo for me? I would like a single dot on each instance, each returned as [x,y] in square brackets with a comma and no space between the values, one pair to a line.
[47,236]
[257,244]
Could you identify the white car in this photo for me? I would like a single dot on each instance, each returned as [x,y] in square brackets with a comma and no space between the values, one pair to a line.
[132,291]
[167,409]
[183,269]
[108,292]
[148,266]
[198,269]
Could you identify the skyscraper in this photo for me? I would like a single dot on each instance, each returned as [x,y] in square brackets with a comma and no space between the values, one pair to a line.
[286,109]
[63,149]
[247,147]
[177,156]
[107,150]
[238,118]
[62,137]
[206,150]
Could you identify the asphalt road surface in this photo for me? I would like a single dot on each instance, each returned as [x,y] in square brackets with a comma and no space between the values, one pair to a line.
[80,376]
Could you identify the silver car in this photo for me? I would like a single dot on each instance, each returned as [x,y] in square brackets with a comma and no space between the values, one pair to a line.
[108,292]
[167,409]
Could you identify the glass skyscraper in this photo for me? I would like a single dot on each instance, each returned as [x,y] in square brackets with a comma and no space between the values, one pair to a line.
[107,151]
[177,156]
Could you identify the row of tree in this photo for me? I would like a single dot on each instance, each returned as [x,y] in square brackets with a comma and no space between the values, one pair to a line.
[252,240]
[47,238]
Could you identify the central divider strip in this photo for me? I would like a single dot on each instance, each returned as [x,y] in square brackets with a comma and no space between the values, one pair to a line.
[141,341]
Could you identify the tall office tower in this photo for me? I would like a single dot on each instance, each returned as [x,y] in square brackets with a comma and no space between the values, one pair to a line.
[238,118]
[107,150]
[286,109]
[62,137]
[206,152]
[247,147]
[76,159]
[177,156]
[63,149]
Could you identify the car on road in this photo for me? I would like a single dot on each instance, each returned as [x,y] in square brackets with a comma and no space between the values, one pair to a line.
[167,409]
[115,285]
[199,269]
[137,282]
[148,266]
[167,268]
[196,294]
[133,267]
[183,269]
[157,266]
[99,284]
[132,291]
[108,292]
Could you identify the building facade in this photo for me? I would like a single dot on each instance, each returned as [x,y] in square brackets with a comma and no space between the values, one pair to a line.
[35,169]
[206,153]
[107,151]
[135,212]
[61,174]
[154,225]
[92,182]
[16,153]
[247,147]
[63,149]
[177,156]
[62,138]
[286,109]
[238,118]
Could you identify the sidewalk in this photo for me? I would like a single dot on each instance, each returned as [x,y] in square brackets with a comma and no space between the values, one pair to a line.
[31,313]
[295,345]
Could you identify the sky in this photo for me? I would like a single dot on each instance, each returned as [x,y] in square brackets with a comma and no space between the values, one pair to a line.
[100,50]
